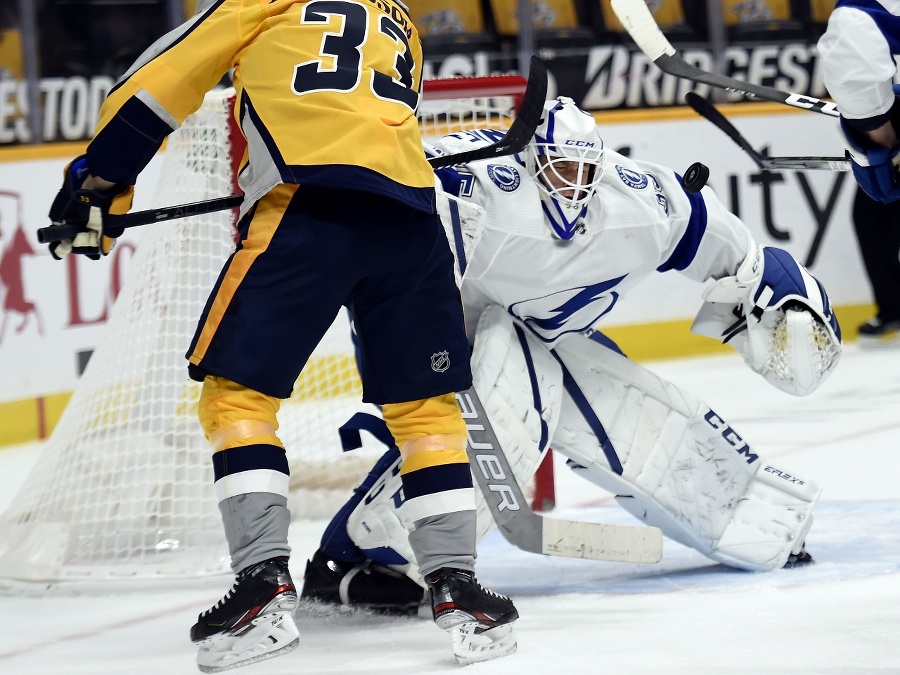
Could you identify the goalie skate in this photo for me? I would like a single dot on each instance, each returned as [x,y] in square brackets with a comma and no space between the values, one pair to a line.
[252,622]
[480,622]
[367,586]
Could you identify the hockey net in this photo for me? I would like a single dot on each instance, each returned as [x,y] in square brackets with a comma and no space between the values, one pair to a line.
[123,490]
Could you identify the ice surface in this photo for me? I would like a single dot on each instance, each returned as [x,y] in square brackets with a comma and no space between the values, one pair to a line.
[685,615]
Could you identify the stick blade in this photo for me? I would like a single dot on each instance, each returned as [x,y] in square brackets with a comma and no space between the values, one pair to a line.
[635,16]
[807,163]
[597,541]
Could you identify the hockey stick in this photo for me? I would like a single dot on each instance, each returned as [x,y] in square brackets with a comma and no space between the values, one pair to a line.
[642,27]
[520,131]
[516,138]
[531,531]
[706,109]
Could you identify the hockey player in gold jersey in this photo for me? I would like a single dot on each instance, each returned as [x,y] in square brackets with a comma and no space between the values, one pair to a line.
[339,210]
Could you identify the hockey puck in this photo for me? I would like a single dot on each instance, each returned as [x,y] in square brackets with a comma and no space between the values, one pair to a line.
[695,177]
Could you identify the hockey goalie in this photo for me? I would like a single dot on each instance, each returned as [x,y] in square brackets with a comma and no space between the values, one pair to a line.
[569,229]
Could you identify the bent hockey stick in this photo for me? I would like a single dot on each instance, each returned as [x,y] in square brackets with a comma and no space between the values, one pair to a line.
[642,27]
[531,531]
[516,138]
[520,131]
[707,110]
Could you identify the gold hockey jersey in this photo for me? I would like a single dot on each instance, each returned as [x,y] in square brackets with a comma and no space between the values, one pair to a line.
[326,94]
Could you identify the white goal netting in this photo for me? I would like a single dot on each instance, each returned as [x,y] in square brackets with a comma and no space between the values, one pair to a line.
[123,489]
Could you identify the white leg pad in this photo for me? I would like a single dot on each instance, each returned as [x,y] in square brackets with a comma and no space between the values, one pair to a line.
[675,464]
[520,385]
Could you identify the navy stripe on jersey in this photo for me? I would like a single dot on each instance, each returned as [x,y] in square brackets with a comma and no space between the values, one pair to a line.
[456,227]
[248,111]
[338,175]
[366,180]
[249,458]
[684,252]
[435,479]
[127,144]
[584,407]
[535,390]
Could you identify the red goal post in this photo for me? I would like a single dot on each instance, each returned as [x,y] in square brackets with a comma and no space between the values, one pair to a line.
[123,489]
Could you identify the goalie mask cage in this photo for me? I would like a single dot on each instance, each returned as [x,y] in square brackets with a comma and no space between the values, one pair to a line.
[123,489]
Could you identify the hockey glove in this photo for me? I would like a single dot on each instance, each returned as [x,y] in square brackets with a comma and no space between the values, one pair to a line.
[87,210]
[778,317]
[875,167]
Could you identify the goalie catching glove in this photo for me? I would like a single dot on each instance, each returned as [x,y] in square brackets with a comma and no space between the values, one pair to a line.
[87,211]
[778,316]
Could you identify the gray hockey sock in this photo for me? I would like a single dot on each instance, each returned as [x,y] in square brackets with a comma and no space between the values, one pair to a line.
[256,527]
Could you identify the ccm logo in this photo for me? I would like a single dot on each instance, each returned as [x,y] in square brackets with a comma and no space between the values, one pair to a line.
[486,459]
[580,144]
[801,101]
[730,435]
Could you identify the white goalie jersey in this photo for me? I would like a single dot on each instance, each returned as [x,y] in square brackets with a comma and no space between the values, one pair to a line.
[553,385]
[641,221]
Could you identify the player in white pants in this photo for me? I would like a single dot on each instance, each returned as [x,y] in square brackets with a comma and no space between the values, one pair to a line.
[570,228]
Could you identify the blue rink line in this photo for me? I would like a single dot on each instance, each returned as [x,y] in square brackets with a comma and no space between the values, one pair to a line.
[848,540]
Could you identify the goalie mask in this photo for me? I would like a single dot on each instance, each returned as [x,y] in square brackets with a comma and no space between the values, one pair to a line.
[564,159]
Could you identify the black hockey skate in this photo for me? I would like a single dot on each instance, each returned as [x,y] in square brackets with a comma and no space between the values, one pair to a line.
[480,622]
[798,559]
[878,332]
[363,585]
[252,622]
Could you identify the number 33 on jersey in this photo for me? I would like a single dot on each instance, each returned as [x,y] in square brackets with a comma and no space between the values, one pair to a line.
[306,74]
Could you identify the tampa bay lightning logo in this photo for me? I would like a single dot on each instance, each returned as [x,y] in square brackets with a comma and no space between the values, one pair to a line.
[631,178]
[504,177]
[569,311]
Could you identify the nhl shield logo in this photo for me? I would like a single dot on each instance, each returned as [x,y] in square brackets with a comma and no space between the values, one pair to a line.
[440,361]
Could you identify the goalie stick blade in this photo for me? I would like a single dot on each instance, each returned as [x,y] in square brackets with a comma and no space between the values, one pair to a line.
[643,29]
[530,531]
[707,110]
[520,131]
[597,541]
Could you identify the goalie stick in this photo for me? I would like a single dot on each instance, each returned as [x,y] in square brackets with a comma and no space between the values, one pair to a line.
[707,110]
[531,531]
[642,27]
[514,140]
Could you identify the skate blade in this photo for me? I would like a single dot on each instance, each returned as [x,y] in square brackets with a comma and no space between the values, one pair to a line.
[470,646]
[271,635]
